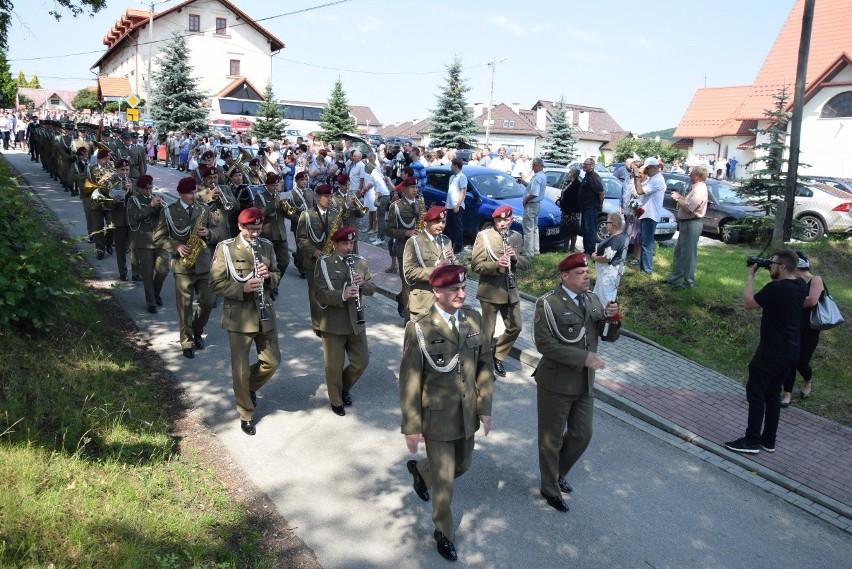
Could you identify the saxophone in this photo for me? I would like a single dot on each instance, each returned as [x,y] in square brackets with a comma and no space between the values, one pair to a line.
[335,225]
[421,213]
[195,242]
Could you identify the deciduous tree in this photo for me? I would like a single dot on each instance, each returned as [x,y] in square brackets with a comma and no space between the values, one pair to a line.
[85,99]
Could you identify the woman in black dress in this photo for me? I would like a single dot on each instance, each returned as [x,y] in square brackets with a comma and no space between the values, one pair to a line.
[569,203]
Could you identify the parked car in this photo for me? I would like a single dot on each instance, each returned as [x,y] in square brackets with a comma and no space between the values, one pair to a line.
[844,184]
[557,177]
[374,139]
[613,166]
[240,126]
[358,143]
[487,190]
[724,206]
[292,134]
[822,209]
[465,154]
[235,149]
[599,168]
[400,140]
[222,131]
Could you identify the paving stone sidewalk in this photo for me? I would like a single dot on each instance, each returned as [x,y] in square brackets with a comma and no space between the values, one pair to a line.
[813,457]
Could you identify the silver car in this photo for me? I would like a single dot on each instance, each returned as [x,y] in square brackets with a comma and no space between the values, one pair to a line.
[822,209]
[557,177]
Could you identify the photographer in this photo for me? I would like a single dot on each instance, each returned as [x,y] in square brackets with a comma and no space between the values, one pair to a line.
[778,349]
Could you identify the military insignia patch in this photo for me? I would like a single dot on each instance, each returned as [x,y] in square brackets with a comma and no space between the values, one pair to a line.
[409,256]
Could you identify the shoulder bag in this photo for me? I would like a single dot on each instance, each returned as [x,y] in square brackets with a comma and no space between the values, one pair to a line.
[825,314]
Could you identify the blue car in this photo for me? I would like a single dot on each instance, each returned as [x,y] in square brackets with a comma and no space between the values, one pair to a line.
[487,190]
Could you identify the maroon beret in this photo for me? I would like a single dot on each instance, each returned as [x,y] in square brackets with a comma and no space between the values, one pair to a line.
[273,179]
[144,181]
[344,234]
[301,175]
[209,172]
[409,181]
[343,179]
[435,212]
[323,190]
[447,275]
[573,261]
[81,150]
[186,185]
[206,155]
[103,153]
[122,163]
[227,154]
[502,212]
[250,216]
[254,162]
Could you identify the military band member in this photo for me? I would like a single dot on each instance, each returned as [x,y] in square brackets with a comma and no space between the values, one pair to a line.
[446,379]
[98,209]
[254,174]
[424,253]
[176,232]
[223,170]
[143,213]
[402,225]
[77,176]
[311,235]
[274,226]
[118,213]
[245,281]
[221,202]
[344,200]
[567,324]
[75,180]
[239,189]
[339,289]
[207,160]
[134,154]
[303,199]
[497,256]
[64,154]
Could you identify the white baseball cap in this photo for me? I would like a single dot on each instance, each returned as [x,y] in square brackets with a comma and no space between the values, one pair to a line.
[651,162]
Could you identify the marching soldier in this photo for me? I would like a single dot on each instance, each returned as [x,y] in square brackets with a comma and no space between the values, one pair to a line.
[182,231]
[239,189]
[208,160]
[402,225]
[497,256]
[274,227]
[134,154]
[221,202]
[77,175]
[314,229]
[62,155]
[341,280]
[98,209]
[424,253]
[143,212]
[244,274]
[568,322]
[446,380]
[303,199]
[223,170]
[345,202]
[118,216]
[255,175]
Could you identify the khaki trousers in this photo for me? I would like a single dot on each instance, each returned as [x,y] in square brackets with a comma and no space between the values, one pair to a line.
[249,378]
[310,264]
[511,314]
[154,268]
[282,254]
[559,449]
[445,461]
[187,286]
[338,378]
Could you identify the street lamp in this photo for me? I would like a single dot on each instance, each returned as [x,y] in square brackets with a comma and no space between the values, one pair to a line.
[493,65]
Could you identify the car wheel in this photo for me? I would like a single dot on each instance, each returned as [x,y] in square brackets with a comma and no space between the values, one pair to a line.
[727,234]
[603,232]
[813,228]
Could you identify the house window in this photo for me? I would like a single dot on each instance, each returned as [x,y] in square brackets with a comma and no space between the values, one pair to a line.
[508,124]
[194,23]
[235,67]
[54,102]
[838,106]
[221,26]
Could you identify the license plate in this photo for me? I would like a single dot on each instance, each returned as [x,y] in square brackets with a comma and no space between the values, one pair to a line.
[552,231]
[660,231]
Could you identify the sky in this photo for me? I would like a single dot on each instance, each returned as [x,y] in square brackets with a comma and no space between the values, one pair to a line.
[642,67]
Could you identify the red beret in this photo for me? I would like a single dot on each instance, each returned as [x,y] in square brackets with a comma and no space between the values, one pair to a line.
[343,179]
[502,212]
[81,150]
[250,216]
[301,175]
[209,172]
[344,234]
[273,179]
[122,163]
[447,275]
[103,153]
[206,155]
[435,212]
[323,190]
[254,162]
[227,154]
[144,181]
[186,185]
[409,181]
[573,261]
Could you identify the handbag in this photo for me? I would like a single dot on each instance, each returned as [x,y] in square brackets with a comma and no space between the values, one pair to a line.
[825,314]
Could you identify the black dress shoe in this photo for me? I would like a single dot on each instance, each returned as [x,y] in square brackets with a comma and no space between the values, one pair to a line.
[199,342]
[248,427]
[303,275]
[555,502]
[137,278]
[152,309]
[123,278]
[318,333]
[564,486]
[347,398]
[499,369]
[339,410]
[445,547]
[159,301]
[419,484]
[109,249]
[188,353]
[91,239]
[253,397]
[100,256]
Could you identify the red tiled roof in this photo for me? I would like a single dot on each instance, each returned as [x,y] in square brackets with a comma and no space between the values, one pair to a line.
[40,96]
[710,111]
[113,87]
[748,144]
[602,127]
[502,113]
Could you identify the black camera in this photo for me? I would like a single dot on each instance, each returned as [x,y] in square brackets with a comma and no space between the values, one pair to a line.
[759,261]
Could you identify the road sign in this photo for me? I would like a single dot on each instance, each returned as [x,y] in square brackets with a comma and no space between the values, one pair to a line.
[147,122]
[133,100]
[133,114]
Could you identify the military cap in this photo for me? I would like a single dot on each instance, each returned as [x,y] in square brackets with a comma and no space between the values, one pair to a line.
[186,185]
[502,212]
[434,213]
[323,190]
[573,261]
[144,181]
[273,179]
[344,234]
[447,275]
[250,216]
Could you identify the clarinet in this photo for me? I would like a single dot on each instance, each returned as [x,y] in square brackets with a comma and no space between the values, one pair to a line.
[510,276]
[260,297]
[359,308]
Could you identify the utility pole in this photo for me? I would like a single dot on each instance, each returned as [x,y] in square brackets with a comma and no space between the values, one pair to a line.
[493,65]
[148,76]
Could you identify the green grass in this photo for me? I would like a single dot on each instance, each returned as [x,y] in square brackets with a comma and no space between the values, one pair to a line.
[90,472]
[708,323]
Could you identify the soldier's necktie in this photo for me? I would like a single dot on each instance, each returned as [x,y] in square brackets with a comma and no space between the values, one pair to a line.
[453,327]
[189,211]
[581,302]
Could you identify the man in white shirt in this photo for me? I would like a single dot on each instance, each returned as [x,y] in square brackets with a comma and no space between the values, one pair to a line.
[356,172]
[651,193]
[532,205]
[501,162]
[455,204]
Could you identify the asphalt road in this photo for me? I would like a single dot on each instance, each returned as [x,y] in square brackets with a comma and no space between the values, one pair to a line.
[642,498]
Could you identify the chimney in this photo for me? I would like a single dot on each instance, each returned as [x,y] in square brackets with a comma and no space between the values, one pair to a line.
[569,116]
[477,109]
[516,108]
[541,119]
[583,121]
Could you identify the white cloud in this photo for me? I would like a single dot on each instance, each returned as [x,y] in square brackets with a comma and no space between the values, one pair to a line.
[585,35]
[368,24]
[509,25]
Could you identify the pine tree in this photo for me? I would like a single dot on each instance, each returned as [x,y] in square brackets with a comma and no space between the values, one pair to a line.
[270,120]
[177,102]
[8,86]
[452,123]
[22,80]
[34,82]
[768,179]
[560,142]
[336,118]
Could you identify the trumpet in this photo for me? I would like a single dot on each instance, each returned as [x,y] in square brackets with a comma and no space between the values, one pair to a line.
[355,201]
[166,197]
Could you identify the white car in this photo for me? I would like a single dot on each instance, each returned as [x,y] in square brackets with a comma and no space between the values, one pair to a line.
[822,209]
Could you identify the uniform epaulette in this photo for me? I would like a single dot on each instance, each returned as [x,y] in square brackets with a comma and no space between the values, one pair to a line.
[419,317]
[228,241]
[545,295]
[265,240]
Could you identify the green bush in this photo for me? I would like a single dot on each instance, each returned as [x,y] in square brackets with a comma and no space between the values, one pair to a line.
[36,276]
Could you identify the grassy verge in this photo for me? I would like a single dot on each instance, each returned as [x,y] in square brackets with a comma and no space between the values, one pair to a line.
[92,470]
[708,324]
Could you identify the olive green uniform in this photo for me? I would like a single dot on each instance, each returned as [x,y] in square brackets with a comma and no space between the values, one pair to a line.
[421,257]
[402,217]
[274,227]
[313,230]
[153,259]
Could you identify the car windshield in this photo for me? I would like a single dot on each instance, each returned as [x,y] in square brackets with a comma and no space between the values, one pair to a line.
[726,194]
[612,188]
[497,186]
